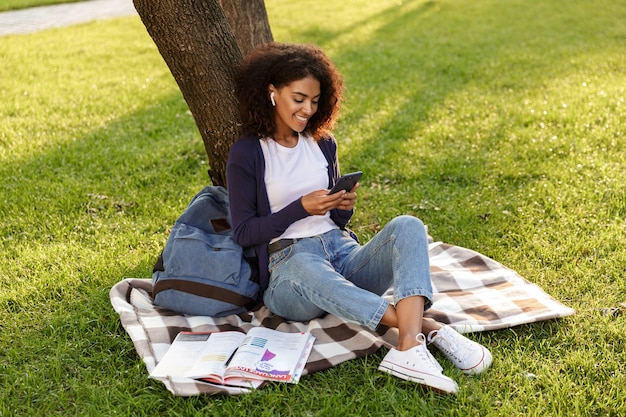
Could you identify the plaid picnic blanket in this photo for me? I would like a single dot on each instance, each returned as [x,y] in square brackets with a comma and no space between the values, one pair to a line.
[473,293]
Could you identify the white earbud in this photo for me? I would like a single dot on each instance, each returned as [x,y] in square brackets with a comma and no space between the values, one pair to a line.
[272,99]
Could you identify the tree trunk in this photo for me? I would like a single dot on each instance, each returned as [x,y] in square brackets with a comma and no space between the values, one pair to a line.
[249,21]
[200,49]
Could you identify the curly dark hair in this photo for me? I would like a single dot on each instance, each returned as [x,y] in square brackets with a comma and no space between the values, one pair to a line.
[280,64]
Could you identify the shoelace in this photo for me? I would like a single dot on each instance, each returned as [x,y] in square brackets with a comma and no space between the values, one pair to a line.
[424,353]
[444,344]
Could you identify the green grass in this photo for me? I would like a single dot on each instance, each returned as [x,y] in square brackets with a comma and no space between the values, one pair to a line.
[6,5]
[499,123]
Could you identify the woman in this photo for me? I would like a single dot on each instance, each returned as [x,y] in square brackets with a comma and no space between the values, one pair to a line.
[279,175]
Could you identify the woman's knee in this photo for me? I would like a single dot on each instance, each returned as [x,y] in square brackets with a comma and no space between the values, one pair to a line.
[409,224]
[289,298]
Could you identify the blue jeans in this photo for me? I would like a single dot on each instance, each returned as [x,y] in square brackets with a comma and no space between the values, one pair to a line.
[332,273]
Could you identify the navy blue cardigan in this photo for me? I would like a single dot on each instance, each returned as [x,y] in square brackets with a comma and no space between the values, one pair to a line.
[254,225]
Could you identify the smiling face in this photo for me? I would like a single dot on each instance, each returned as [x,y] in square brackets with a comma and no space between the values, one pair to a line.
[295,104]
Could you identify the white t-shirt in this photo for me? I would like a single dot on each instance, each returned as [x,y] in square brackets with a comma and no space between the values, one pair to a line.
[291,173]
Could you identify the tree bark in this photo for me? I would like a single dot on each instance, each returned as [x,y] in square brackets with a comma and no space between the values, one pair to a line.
[199,47]
[249,21]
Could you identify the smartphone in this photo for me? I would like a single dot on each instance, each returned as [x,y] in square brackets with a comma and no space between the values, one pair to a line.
[346,182]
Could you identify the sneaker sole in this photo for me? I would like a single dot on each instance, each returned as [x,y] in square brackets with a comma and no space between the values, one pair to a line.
[396,371]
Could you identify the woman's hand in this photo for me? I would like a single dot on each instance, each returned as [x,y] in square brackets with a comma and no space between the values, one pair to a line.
[349,199]
[320,202]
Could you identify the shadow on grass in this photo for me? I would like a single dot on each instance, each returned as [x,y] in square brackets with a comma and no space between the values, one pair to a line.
[124,168]
[425,60]
[91,211]
[419,60]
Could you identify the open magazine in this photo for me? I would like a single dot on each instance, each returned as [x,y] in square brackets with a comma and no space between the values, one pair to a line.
[237,359]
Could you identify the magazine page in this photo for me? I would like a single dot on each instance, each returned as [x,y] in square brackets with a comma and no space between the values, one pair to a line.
[198,355]
[271,355]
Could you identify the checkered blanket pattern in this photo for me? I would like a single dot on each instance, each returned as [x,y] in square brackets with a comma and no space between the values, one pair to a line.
[473,293]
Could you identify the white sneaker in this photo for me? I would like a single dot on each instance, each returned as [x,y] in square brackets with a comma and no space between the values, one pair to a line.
[469,356]
[418,365]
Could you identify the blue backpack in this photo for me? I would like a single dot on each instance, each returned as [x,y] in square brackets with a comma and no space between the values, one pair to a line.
[202,270]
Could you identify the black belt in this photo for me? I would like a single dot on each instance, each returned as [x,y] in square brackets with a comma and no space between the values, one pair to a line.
[280,245]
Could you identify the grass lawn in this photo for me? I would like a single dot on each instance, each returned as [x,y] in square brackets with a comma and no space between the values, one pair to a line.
[500,123]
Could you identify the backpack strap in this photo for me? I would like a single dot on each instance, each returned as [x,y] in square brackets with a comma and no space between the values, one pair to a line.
[202,290]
